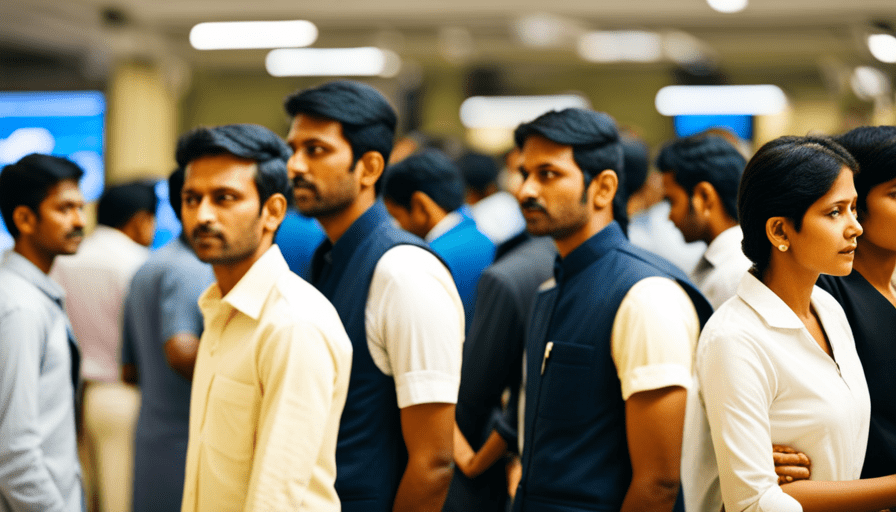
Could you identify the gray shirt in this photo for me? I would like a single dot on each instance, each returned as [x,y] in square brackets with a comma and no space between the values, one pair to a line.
[39,468]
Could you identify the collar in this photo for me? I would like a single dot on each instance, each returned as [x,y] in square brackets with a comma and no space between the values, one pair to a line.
[591,250]
[767,304]
[252,290]
[28,271]
[719,250]
[357,232]
[445,225]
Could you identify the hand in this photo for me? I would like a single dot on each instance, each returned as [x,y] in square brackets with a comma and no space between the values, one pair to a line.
[463,452]
[790,465]
[514,475]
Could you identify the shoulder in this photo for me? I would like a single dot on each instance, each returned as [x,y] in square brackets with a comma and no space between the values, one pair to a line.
[295,307]
[735,323]
[406,261]
[17,294]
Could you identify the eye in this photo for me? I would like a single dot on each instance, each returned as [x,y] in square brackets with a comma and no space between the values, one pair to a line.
[314,150]
[834,213]
[226,197]
[190,200]
[524,174]
[547,174]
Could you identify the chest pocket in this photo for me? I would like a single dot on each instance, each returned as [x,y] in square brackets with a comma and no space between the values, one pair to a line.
[231,418]
[568,383]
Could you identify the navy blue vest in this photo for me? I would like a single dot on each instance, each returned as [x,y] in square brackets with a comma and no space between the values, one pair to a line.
[575,456]
[370,452]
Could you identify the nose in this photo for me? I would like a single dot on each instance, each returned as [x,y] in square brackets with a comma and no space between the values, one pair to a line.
[528,189]
[854,229]
[79,221]
[204,211]
[296,165]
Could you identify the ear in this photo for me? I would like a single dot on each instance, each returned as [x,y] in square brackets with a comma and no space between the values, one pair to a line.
[24,219]
[602,189]
[776,229]
[273,212]
[704,197]
[371,166]
[421,205]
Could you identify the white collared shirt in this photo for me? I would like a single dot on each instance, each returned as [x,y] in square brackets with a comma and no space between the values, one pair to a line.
[764,379]
[269,387]
[719,271]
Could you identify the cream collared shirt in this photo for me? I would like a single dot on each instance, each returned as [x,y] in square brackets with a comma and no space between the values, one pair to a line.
[269,386]
[718,272]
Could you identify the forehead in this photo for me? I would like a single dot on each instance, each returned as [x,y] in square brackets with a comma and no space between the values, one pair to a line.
[539,151]
[842,189]
[66,191]
[305,127]
[669,183]
[220,171]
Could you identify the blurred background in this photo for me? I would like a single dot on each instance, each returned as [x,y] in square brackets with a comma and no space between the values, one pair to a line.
[830,63]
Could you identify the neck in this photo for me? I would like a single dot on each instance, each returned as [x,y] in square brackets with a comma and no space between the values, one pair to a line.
[792,283]
[875,264]
[718,225]
[229,274]
[38,258]
[595,224]
[336,224]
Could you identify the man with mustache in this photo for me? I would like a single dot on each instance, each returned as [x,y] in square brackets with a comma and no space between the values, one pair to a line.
[43,211]
[611,337]
[396,299]
[96,280]
[273,367]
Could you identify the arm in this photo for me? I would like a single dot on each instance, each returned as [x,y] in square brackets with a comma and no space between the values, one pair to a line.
[25,482]
[424,484]
[180,352]
[654,421]
[471,463]
[181,318]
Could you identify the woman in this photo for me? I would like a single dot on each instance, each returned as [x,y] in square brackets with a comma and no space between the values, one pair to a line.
[777,363]
[867,294]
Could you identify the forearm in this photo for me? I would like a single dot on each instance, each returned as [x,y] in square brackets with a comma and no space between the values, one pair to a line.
[492,451]
[424,485]
[651,494]
[871,494]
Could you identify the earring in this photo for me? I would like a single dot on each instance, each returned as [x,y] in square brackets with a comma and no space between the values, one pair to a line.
[782,247]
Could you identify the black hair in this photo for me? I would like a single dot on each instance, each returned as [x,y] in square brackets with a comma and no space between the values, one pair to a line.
[595,146]
[783,179]
[479,171]
[175,186]
[635,164]
[368,121]
[28,182]
[874,148]
[120,203]
[708,158]
[430,172]
[249,141]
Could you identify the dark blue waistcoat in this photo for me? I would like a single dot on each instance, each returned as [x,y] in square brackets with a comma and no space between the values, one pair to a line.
[575,456]
[370,452]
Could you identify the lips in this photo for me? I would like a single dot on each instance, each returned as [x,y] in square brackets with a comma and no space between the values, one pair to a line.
[849,250]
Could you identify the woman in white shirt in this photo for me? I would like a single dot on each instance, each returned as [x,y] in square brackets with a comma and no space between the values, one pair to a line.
[777,363]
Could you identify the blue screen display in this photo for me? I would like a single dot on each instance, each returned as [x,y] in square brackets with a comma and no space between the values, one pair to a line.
[741,125]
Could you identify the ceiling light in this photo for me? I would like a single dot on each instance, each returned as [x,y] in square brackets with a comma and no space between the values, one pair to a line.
[511,111]
[869,83]
[622,45]
[677,100]
[365,61]
[239,35]
[727,5]
[883,47]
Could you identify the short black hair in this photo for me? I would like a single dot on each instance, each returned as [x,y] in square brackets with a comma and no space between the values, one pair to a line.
[120,203]
[635,156]
[479,171]
[783,179]
[175,186]
[708,158]
[874,148]
[249,141]
[368,121]
[430,172]
[595,143]
[28,182]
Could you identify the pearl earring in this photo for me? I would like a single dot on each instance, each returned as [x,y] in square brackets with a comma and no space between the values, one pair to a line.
[782,247]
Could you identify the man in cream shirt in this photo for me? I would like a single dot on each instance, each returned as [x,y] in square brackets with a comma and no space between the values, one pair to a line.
[274,361]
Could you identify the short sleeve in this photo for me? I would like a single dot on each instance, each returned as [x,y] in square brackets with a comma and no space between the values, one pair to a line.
[654,335]
[415,325]
[180,289]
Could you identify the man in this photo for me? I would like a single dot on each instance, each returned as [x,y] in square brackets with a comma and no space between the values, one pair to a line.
[273,366]
[162,325]
[610,344]
[701,175]
[424,193]
[43,211]
[96,280]
[397,301]
[495,211]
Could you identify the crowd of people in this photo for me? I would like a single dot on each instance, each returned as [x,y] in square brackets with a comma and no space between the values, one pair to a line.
[338,329]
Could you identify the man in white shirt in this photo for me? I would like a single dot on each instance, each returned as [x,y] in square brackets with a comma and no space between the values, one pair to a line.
[96,281]
[397,300]
[274,362]
[701,174]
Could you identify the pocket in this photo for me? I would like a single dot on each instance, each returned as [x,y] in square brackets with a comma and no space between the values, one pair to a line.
[568,383]
[231,418]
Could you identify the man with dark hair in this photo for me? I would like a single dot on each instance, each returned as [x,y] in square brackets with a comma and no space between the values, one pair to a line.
[162,325]
[701,174]
[397,301]
[43,210]
[611,340]
[96,280]
[424,193]
[495,211]
[274,362]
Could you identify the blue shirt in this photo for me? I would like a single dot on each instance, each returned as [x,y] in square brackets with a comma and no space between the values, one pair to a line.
[39,468]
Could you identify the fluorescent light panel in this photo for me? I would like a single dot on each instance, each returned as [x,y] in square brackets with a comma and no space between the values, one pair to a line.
[883,47]
[621,46]
[242,35]
[727,5]
[511,111]
[365,61]
[678,100]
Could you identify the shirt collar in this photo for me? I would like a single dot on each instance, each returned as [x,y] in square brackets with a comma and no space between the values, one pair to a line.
[720,248]
[445,225]
[252,290]
[591,250]
[774,311]
[23,267]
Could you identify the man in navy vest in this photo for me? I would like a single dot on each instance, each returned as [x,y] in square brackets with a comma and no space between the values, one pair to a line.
[397,300]
[610,343]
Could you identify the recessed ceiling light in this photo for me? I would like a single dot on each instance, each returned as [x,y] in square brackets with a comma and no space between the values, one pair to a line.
[241,35]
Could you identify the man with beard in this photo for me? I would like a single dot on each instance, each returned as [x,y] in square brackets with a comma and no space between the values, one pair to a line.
[43,210]
[610,343]
[396,299]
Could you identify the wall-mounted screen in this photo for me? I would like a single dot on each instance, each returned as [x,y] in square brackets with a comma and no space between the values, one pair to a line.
[741,125]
